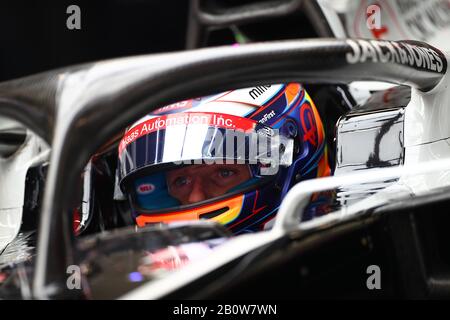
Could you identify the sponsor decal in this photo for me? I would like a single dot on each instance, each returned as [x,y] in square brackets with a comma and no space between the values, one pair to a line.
[255,96]
[424,19]
[174,107]
[257,91]
[309,126]
[219,120]
[267,116]
[373,14]
[394,52]
[145,188]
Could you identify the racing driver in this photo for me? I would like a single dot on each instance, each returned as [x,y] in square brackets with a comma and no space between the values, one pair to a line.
[229,157]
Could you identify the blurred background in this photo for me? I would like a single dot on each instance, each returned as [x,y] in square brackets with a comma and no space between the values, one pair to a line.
[34,36]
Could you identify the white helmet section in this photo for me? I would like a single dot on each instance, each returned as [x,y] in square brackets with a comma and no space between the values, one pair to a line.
[13,171]
[239,102]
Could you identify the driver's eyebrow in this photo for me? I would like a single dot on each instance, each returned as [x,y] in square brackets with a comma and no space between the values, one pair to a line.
[188,169]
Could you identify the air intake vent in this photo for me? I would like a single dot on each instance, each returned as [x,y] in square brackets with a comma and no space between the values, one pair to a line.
[214,213]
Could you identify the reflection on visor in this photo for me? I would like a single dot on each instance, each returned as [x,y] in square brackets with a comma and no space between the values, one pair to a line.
[192,184]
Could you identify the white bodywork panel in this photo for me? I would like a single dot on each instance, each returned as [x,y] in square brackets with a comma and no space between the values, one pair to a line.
[427,134]
[427,117]
[13,171]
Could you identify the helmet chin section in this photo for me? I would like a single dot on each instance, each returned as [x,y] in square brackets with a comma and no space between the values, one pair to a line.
[224,212]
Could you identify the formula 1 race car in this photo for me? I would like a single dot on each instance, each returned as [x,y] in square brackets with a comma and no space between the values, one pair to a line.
[379,231]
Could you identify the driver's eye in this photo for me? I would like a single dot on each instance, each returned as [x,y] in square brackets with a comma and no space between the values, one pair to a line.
[225,173]
[181,181]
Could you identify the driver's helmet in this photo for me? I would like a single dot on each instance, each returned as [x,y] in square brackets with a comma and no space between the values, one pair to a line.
[229,157]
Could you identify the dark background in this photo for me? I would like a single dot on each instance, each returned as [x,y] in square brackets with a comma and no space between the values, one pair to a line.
[34,36]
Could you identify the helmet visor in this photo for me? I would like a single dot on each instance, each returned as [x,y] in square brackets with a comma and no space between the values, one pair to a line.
[201,138]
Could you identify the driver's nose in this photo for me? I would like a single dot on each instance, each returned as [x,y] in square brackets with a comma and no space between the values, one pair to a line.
[197,193]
